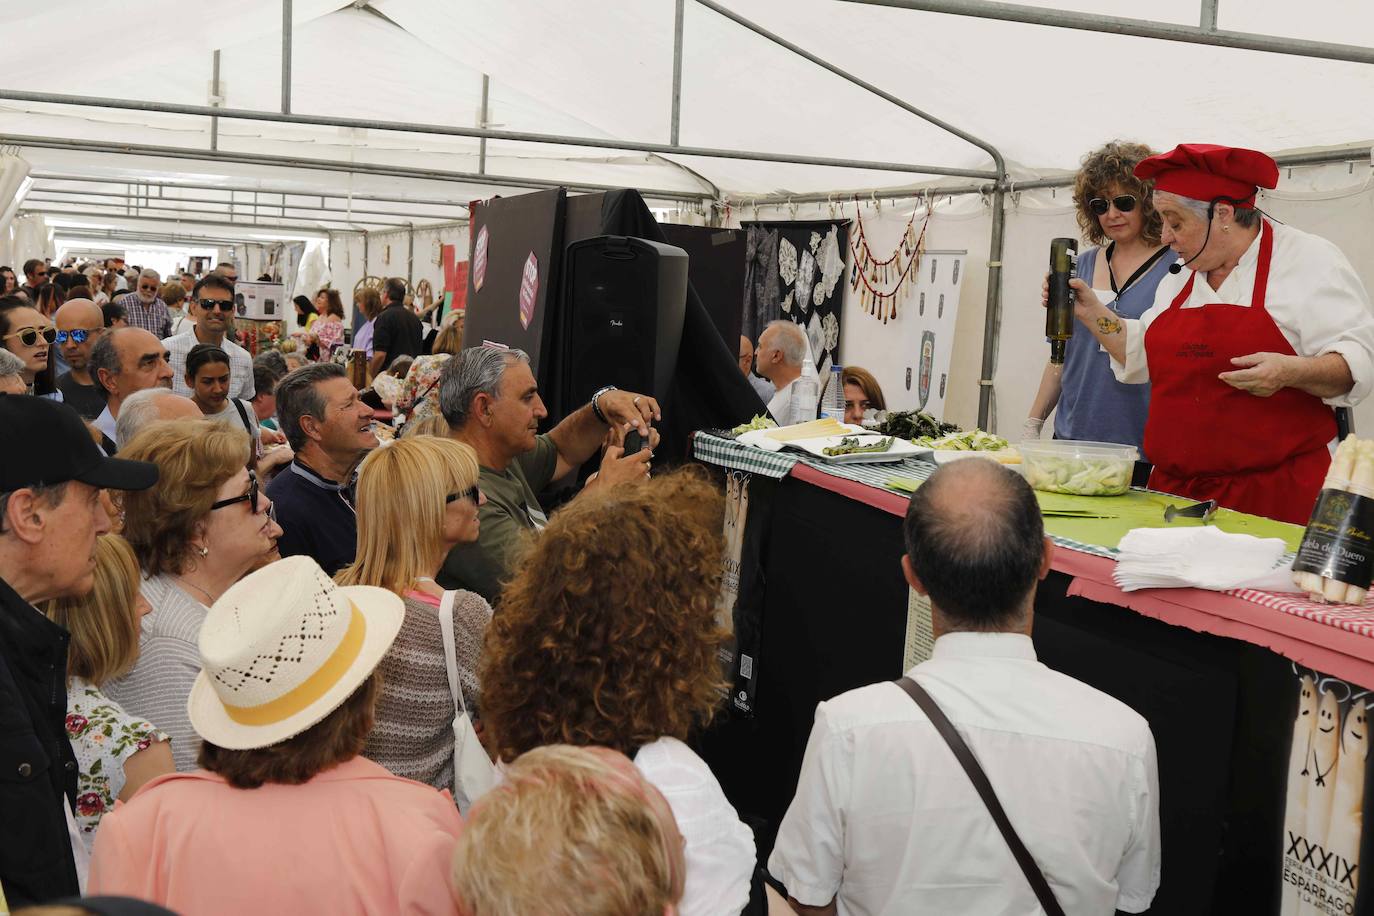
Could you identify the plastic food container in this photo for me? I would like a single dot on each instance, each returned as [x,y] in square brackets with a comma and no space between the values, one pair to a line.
[1079,468]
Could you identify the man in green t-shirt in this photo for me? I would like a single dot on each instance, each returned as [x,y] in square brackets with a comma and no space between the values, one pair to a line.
[491,401]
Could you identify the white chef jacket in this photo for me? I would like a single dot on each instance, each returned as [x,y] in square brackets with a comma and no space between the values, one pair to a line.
[886,821]
[1314,297]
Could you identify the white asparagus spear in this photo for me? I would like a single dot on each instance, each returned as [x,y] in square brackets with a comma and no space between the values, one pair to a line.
[1321,790]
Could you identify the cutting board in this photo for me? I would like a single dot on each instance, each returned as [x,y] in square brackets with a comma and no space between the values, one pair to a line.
[1141,509]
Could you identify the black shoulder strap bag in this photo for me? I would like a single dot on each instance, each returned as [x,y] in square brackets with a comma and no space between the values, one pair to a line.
[980,782]
[243,415]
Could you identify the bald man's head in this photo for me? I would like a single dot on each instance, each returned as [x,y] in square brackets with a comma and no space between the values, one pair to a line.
[976,543]
[144,408]
[78,318]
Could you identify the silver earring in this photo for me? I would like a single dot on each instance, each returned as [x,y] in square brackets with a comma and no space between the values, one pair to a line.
[204,552]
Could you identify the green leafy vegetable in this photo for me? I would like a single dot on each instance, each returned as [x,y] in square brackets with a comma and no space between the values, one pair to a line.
[850,445]
[909,424]
[1080,476]
[759,422]
[972,441]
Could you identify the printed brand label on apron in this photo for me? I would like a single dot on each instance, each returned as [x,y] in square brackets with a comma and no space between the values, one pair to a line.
[1339,541]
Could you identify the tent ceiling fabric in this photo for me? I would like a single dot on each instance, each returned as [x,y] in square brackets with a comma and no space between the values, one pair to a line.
[1042,96]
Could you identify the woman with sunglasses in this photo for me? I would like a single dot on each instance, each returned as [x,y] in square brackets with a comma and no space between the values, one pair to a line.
[204,526]
[1117,216]
[29,335]
[416,499]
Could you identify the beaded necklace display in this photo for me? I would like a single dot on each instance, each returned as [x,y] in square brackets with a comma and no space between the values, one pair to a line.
[886,281]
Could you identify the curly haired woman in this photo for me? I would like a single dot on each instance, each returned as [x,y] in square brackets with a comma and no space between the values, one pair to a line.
[1116,213]
[608,636]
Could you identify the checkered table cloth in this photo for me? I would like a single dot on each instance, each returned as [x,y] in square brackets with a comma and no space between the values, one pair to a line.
[730,454]
[1342,616]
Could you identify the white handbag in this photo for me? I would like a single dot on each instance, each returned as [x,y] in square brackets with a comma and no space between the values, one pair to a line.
[473,772]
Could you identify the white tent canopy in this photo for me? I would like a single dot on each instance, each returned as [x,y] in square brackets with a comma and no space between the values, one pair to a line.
[603,70]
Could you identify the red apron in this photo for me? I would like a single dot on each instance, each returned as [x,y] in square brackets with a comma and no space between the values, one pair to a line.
[1208,440]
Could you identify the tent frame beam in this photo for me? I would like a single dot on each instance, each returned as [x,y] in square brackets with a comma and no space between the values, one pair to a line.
[146,202]
[261,227]
[480,133]
[1205,33]
[137,213]
[163,186]
[331,165]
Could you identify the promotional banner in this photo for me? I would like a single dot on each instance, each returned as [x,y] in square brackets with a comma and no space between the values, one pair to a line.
[739,607]
[1328,775]
[929,329]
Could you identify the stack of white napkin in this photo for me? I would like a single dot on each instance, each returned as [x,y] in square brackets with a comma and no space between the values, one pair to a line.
[759,438]
[1201,558]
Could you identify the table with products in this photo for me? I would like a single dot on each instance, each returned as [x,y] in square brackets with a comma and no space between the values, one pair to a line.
[1218,675]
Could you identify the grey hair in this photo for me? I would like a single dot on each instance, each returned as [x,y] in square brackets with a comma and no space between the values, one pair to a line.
[149,272]
[137,411]
[791,341]
[10,364]
[51,493]
[1245,217]
[104,355]
[477,370]
[298,396]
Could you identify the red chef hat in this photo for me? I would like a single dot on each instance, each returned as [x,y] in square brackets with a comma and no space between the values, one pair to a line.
[1205,172]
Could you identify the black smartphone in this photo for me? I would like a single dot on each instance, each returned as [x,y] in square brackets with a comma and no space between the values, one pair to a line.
[634,443]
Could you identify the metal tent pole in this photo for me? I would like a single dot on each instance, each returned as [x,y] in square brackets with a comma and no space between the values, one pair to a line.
[163,185]
[286,57]
[448,130]
[1139,28]
[993,317]
[676,115]
[482,123]
[214,93]
[86,195]
[312,233]
[331,165]
[95,203]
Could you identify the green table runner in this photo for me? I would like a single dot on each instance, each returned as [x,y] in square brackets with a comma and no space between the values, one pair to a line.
[1144,509]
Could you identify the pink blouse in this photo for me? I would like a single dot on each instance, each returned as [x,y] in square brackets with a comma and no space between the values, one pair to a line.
[354,839]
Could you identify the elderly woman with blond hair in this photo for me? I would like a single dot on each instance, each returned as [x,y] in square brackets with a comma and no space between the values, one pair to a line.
[116,752]
[203,527]
[608,636]
[416,499]
[570,831]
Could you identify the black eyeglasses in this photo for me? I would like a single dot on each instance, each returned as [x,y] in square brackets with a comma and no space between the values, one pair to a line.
[29,336]
[471,493]
[78,335]
[224,305]
[251,497]
[1124,202]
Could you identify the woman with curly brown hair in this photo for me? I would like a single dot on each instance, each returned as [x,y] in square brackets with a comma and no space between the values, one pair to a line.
[1117,215]
[608,636]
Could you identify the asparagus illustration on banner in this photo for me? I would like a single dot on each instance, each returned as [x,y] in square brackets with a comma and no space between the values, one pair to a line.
[1321,785]
[1295,802]
[1347,807]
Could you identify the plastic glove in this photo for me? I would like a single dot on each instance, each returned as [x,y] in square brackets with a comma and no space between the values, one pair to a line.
[1030,429]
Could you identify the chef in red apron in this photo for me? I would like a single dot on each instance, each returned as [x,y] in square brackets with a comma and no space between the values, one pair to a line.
[1248,347]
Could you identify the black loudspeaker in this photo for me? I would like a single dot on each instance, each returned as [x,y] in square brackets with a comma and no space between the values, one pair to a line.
[625,303]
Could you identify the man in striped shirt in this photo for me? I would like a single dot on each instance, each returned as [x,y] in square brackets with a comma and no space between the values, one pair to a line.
[144,308]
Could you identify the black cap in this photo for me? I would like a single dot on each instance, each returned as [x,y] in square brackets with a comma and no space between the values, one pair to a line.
[56,448]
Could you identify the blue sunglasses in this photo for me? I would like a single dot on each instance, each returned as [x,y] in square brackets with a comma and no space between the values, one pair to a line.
[80,336]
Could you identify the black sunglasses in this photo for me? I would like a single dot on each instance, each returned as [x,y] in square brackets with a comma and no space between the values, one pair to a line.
[251,497]
[29,336]
[224,305]
[471,493]
[1125,203]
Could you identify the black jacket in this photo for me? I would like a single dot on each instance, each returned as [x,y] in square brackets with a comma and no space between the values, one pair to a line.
[37,767]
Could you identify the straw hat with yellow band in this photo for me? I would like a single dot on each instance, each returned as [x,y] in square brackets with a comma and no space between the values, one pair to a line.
[282,649]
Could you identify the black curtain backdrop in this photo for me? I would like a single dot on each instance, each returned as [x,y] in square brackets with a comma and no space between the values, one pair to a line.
[796,270]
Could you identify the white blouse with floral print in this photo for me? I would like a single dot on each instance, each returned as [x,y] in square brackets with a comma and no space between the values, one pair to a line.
[103,736]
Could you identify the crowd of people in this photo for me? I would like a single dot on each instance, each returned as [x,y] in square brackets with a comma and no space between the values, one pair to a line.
[255,655]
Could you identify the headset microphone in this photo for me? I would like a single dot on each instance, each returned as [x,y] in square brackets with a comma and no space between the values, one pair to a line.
[1177,267]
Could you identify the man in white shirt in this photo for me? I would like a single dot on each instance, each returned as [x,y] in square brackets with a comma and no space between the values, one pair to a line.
[211,305]
[885,821]
[781,349]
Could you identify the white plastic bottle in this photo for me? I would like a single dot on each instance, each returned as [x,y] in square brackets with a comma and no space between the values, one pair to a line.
[832,405]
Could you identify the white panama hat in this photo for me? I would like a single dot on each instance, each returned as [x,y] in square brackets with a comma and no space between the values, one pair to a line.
[282,649]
